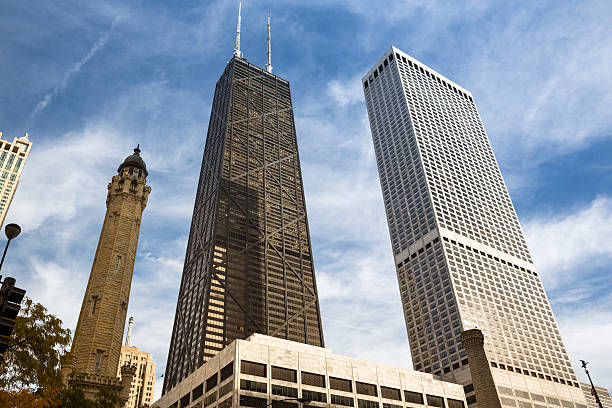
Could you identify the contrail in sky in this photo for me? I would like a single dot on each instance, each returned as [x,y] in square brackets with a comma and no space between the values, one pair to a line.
[48,98]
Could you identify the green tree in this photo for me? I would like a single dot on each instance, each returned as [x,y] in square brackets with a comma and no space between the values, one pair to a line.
[73,397]
[37,351]
[30,375]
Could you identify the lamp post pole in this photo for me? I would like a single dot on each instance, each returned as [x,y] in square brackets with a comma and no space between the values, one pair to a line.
[593,390]
[11,231]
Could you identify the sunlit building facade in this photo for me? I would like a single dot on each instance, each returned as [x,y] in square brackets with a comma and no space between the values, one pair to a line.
[13,156]
[264,371]
[461,257]
[602,393]
[143,383]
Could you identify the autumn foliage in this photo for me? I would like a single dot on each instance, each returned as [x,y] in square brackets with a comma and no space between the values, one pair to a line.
[30,373]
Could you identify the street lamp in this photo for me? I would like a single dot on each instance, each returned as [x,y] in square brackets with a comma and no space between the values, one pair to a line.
[11,231]
[593,390]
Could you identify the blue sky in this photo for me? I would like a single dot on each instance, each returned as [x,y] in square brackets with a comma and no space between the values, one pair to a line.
[90,80]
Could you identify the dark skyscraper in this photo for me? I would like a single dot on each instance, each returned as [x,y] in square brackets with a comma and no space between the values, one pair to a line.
[248,267]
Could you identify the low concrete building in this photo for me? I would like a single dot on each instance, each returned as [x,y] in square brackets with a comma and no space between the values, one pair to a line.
[603,393]
[263,370]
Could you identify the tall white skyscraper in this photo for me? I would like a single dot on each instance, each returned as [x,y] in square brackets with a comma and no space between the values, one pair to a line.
[461,257]
[12,160]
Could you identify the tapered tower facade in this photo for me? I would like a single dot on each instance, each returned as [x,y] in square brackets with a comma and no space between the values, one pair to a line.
[13,157]
[96,348]
[248,267]
[461,257]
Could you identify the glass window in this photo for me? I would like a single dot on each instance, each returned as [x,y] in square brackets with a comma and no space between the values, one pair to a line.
[251,368]
[316,380]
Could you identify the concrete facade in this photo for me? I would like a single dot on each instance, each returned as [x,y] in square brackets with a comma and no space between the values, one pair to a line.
[602,392]
[143,382]
[460,254]
[13,157]
[265,370]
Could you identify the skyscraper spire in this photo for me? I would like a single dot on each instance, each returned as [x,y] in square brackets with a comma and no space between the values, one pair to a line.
[128,336]
[269,64]
[237,52]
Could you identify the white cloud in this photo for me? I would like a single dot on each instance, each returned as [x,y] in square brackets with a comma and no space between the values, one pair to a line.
[586,328]
[544,92]
[48,98]
[548,81]
[568,249]
[62,177]
[564,244]
[346,92]
[359,294]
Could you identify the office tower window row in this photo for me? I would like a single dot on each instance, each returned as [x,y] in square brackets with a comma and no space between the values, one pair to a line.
[521,328]
[434,328]
[264,371]
[12,160]
[462,260]
[405,194]
[248,267]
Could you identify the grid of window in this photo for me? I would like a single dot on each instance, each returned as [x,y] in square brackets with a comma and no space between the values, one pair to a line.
[284,391]
[430,309]
[342,400]
[367,393]
[510,302]
[523,398]
[361,403]
[255,386]
[250,401]
[441,183]
[248,266]
[314,396]
[12,158]
[408,207]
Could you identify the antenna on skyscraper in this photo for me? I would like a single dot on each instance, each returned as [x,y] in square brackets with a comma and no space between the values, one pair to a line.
[237,52]
[269,64]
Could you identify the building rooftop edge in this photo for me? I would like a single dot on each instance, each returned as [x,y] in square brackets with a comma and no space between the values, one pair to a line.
[262,339]
[241,347]
[258,67]
[393,49]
